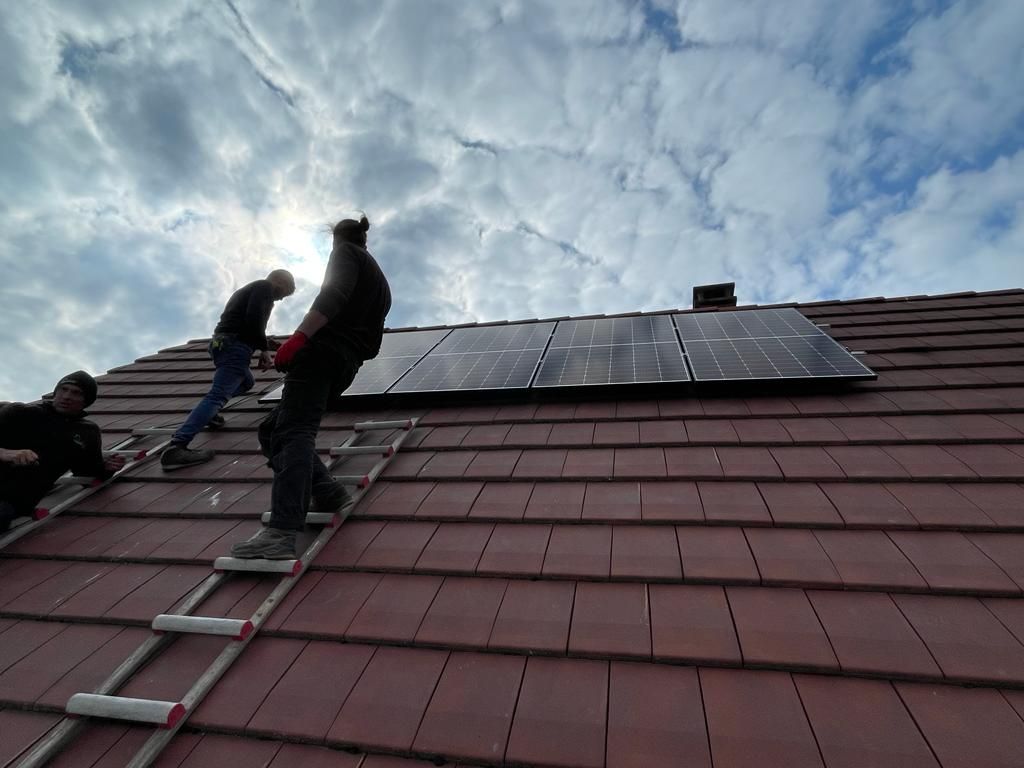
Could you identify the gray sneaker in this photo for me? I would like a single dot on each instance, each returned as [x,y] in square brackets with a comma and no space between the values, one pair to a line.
[267,544]
[216,422]
[178,456]
[334,500]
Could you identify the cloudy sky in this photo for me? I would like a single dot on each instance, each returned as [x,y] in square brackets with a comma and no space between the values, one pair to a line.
[516,158]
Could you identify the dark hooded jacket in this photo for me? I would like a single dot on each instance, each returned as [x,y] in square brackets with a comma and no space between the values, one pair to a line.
[61,442]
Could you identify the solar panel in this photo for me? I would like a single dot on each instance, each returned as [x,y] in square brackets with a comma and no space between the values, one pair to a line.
[763,344]
[619,350]
[492,357]
[399,351]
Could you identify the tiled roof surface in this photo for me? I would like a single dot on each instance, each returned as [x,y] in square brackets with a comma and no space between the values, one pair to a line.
[789,580]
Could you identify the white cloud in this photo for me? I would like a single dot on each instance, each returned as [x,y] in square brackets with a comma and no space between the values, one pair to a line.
[517,158]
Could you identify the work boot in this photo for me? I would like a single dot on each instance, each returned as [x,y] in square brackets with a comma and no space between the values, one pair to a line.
[334,499]
[215,423]
[267,544]
[178,456]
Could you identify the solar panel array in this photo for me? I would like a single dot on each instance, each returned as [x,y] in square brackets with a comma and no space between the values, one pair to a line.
[763,344]
[492,357]
[620,350]
[746,345]
[399,352]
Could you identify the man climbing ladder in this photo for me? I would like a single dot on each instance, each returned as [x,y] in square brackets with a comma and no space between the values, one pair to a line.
[242,330]
[342,329]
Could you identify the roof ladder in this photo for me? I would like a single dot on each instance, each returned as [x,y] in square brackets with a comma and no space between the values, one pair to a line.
[169,716]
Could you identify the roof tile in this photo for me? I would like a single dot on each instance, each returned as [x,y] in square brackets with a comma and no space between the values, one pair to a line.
[655,717]
[692,623]
[756,718]
[556,501]
[610,620]
[306,700]
[950,561]
[966,639]
[869,560]
[580,551]
[538,463]
[612,501]
[645,552]
[799,504]
[671,501]
[779,626]
[455,547]
[870,636]
[806,463]
[862,722]
[394,610]
[719,555]
[470,712]
[791,558]
[515,549]
[561,715]
[534,616]
[463,613]
[449,500]
[728,502]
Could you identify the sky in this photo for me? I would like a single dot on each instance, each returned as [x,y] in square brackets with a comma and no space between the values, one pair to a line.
[516,158]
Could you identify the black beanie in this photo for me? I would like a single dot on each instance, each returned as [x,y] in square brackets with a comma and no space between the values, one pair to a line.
[83,381]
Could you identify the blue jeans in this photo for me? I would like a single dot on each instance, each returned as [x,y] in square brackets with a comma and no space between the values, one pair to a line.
[231,378]
[288,434]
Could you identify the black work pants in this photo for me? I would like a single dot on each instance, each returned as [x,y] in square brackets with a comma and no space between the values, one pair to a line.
[288,434]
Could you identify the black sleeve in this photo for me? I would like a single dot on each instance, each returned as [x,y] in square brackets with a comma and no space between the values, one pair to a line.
[257,313]
[339,282]
[88,461]
[12,425]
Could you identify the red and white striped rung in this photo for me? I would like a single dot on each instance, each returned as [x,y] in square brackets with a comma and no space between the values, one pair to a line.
[163,713]
[202,625]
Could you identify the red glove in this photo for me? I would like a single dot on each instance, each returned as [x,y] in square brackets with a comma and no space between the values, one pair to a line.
[286,354]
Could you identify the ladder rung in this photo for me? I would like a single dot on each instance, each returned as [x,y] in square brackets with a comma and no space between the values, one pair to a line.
[134,453]
[287,567]
[40,512]
[351,450]
[142,431]
[312,518]
[77,480]
[239,629]
[163,713]
[360,481]
[366,426]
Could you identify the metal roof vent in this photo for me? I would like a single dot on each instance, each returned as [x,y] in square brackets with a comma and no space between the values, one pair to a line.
[717,295]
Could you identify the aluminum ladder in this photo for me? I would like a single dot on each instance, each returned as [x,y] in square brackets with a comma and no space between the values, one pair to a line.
[169,716]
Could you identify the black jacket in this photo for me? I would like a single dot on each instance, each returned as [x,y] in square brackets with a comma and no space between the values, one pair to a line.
[247,312]
[356,298]
[61,442]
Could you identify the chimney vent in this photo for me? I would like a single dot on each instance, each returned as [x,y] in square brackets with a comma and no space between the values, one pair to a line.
[717,295]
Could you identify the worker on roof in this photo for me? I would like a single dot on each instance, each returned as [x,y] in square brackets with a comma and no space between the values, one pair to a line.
[241,331]
[39,442]
[342,329]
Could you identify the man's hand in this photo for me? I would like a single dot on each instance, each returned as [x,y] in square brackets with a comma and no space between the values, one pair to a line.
[286,354]
[113,462]
[19,457]
[272,344]
[266,361]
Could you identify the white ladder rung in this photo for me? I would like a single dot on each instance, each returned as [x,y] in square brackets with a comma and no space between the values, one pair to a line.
[351,450]
[239,629]
[287,567]
[360,481]
[143,431]
[366,426]
[163,713]
[134,453]
[77,480]
[312,518]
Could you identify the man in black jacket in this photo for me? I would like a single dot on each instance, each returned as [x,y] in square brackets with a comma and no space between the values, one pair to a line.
[41,441]
[242,329]
[342,329]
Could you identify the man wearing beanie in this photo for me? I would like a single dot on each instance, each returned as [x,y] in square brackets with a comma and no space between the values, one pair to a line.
[342,329]
[241,331]
[39,442]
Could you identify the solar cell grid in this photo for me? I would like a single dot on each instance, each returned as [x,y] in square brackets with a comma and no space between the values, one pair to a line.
[496,338]
[760,323]
[613,330]
[612,364]
[510,369]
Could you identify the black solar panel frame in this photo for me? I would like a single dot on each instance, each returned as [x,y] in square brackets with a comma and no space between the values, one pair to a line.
[471,350]
[799,352]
